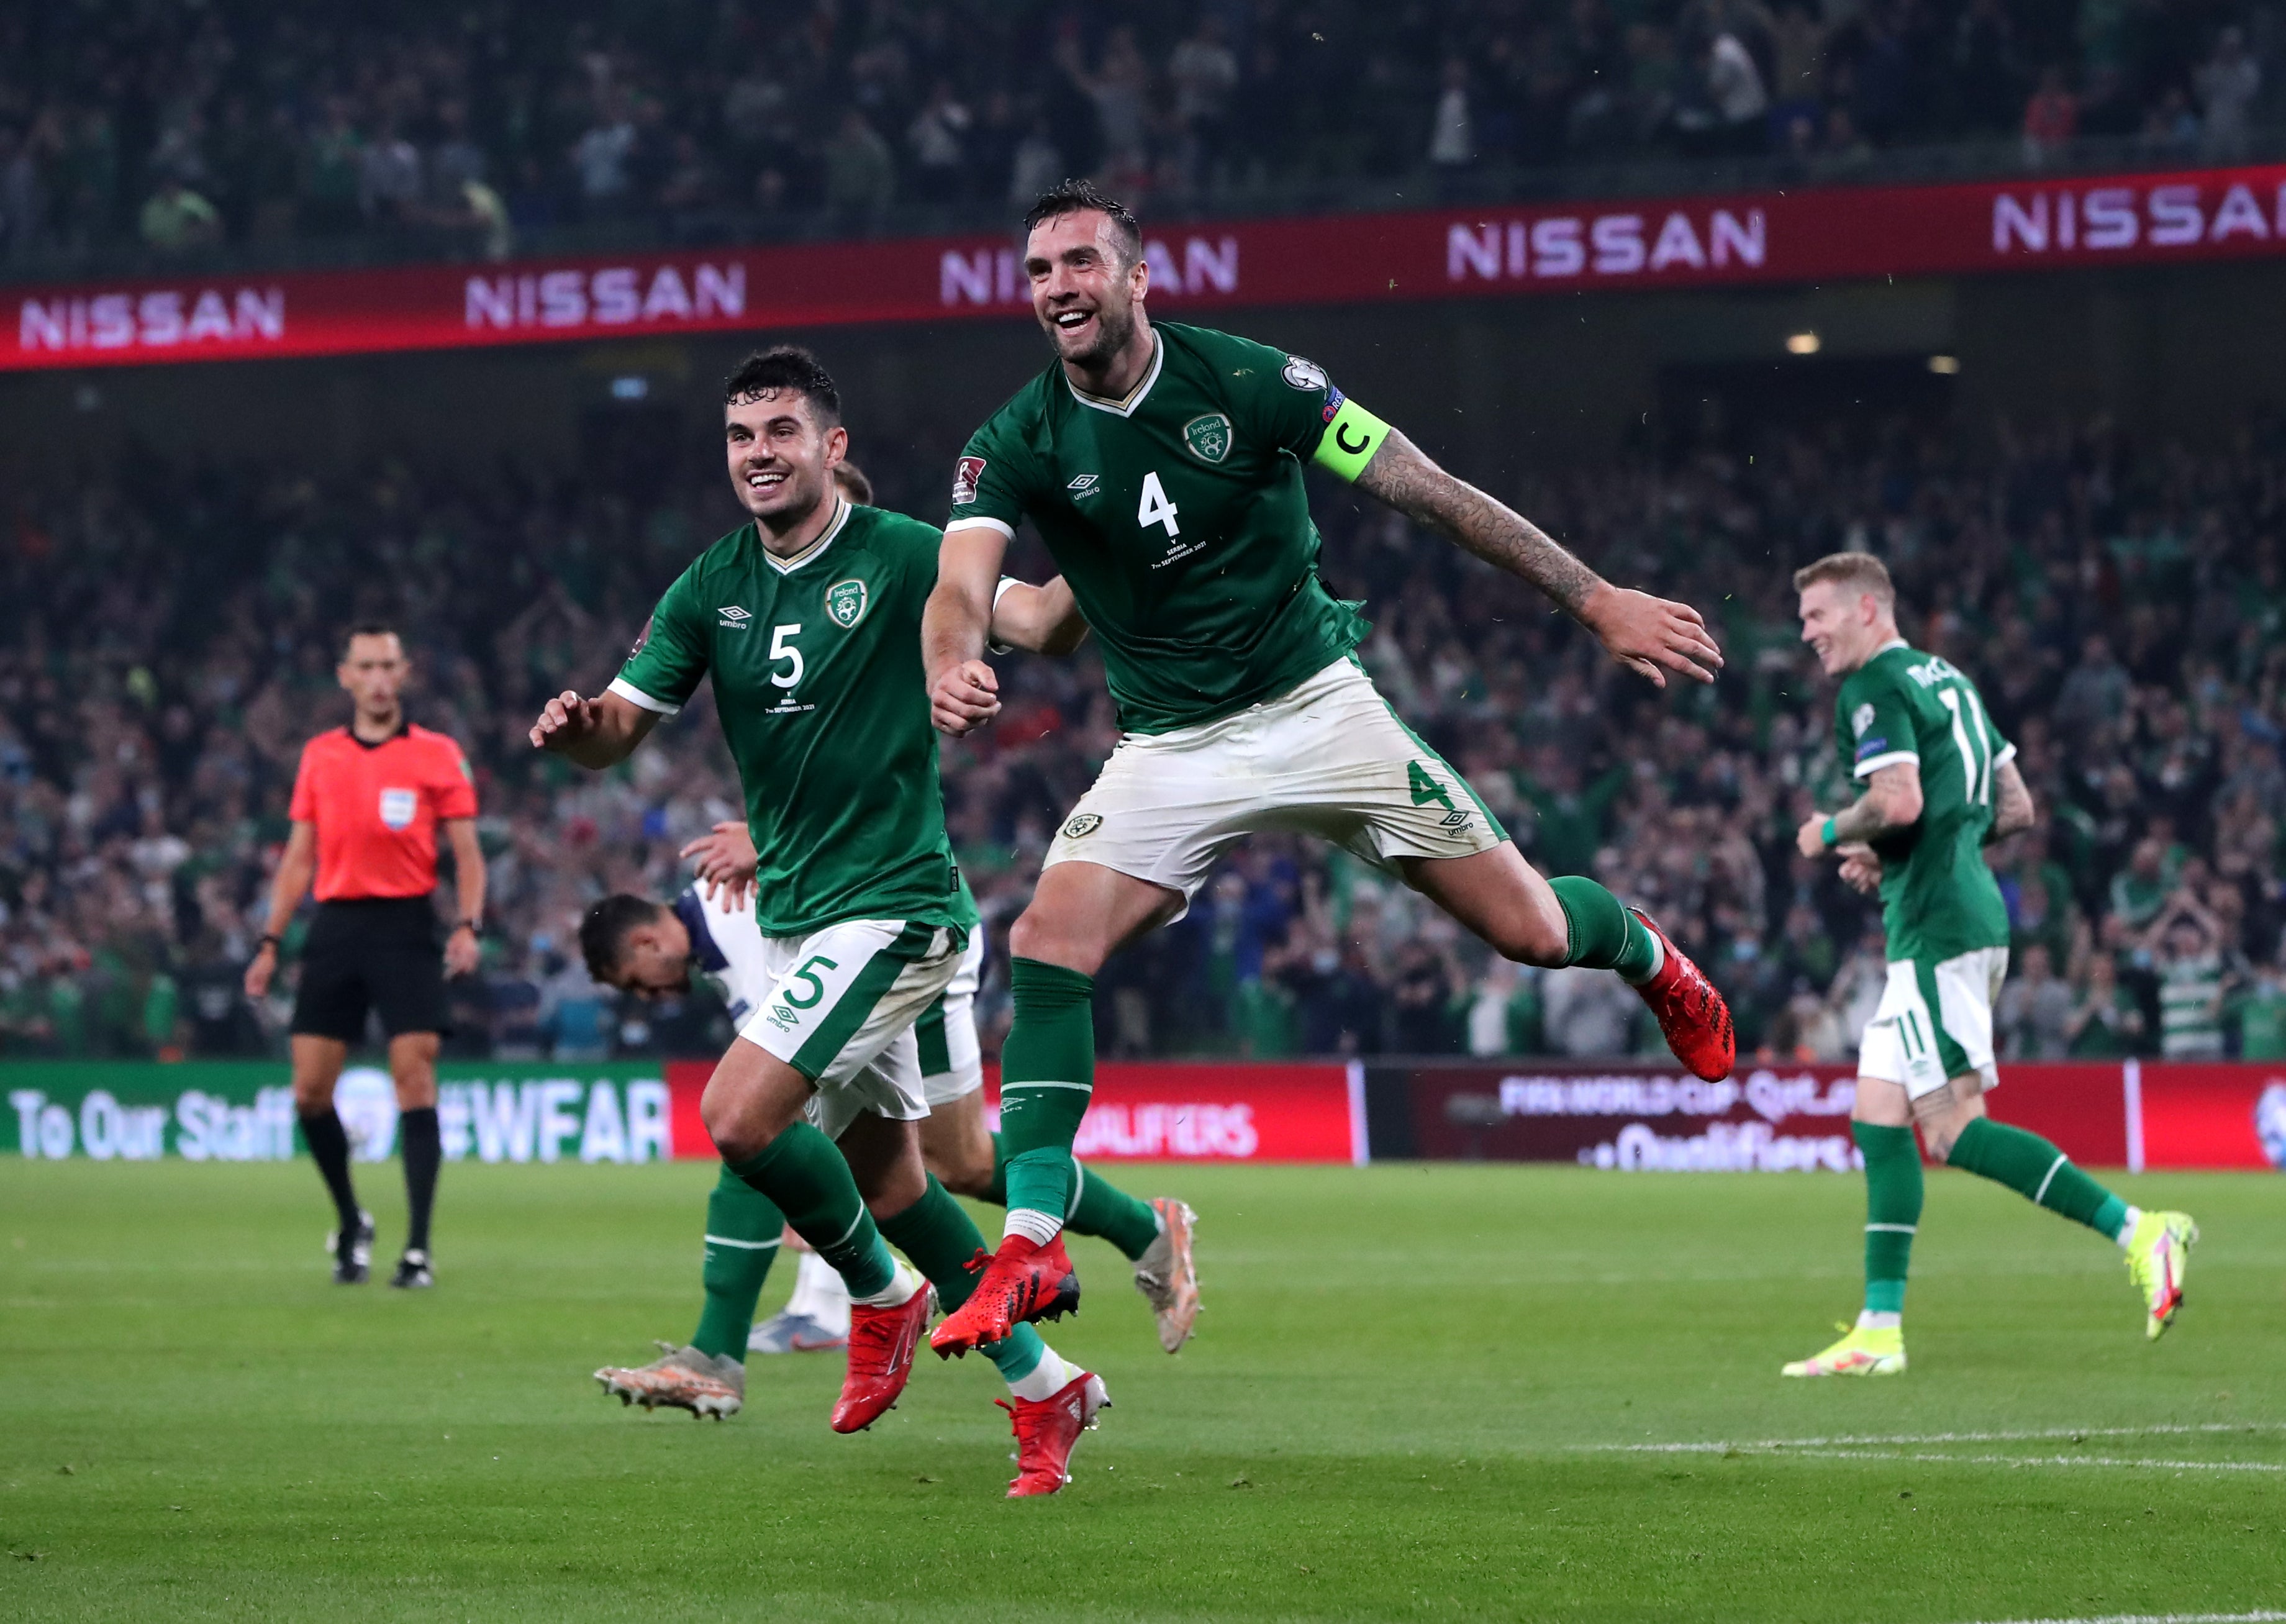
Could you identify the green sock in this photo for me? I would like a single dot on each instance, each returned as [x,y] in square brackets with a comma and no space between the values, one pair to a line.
[1893,1212]
[804,1173]
[1604,935]
[2034,1169]
[1103,1209]
[1099,1208]
[996,1194]
[742,1227]
[937,1233]
[1047,1071]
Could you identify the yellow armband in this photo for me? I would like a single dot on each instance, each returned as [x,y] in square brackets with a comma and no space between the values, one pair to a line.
[1351,438]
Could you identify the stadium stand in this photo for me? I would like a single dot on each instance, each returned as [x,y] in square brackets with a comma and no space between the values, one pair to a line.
[2119,605]
[282,133]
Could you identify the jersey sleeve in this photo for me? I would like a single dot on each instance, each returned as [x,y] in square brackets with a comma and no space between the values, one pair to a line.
[455,789]
[304,808]
[1875,726]
[670,657]
[1289,402]
[989,486]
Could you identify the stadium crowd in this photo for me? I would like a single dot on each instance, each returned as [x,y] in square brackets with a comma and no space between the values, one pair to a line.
[169,644]
[294,130]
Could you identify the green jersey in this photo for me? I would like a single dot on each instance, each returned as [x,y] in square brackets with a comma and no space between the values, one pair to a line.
[1178,518]
[1938,898]
[818,682]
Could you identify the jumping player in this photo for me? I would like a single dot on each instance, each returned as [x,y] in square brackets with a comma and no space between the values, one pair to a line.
[1163,466]
[1941,785]
[808,618]
[657,950]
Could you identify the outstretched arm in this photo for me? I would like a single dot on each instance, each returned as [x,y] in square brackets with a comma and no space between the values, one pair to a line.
[962,692]
[1648,635]
[599,732]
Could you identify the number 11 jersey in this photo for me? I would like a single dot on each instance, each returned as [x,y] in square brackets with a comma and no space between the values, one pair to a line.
[817,662]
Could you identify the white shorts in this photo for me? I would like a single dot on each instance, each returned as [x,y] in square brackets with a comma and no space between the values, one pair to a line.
[840,1011]
[1934,1022]
[952,1064]
[1328,758]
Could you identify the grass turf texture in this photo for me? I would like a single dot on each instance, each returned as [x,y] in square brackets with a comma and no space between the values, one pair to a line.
[1402,1404]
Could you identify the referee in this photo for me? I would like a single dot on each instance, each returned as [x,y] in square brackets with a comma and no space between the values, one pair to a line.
[367,803]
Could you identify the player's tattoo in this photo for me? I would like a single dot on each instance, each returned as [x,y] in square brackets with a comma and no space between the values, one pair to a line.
[1892,800]
[2013,808]
[1401,474]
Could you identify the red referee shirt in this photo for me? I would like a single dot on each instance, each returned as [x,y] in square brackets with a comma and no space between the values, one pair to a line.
[377,808]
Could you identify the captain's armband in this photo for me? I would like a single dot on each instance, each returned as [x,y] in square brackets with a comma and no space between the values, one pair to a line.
[1351,440]
[993,645]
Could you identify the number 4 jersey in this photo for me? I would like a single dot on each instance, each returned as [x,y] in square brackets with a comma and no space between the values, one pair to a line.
[818,684]
[1938,898]
[1178,518]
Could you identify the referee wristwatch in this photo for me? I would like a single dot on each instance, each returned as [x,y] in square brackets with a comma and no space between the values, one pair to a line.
[475,928]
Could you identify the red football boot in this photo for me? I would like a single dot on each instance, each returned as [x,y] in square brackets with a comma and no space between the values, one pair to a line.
[882,1342]
[1693,1016]
[1022,1281]
[1046,1429]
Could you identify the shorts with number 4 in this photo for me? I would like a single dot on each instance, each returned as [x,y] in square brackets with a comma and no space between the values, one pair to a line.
[1328,758]
[841,1009]
[1934,1022]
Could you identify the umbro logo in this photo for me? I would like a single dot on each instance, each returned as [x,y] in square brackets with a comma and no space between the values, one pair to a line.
[734,617]
[1085,485]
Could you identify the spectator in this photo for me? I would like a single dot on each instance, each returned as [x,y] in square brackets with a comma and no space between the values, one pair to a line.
[1734,91]
[2228,83]
[1585,1015]
[2107,1021]
[2259,1016]
[2036,1010]
[2051,119]
[177,220]
[2141,889]
[861,176]
[935,137]
[388,178]
[1503,1012]
[602,156]
[1038,164]
[1203,73]
[1453,133]
[2186,944]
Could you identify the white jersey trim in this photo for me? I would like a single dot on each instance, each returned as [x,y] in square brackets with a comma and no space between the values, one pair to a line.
[979,522]
[787,566]
[1888,757]
[1126,406]
[635,696]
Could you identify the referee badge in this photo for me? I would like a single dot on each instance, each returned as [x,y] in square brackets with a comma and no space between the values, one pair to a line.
[844,603]
[398,808]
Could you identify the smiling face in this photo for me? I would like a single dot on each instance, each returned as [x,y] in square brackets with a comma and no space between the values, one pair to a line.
[1843,625]
[1087,293]
[782,455]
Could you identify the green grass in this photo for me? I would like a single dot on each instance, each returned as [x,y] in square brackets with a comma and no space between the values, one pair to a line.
[1403,1403]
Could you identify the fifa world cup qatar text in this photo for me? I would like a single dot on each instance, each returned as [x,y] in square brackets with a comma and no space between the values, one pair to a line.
[1162,465]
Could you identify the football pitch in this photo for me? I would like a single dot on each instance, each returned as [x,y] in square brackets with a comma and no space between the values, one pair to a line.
[1417,1392]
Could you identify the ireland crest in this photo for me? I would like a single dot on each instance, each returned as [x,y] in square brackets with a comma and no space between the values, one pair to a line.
[1208,437]
[844,603]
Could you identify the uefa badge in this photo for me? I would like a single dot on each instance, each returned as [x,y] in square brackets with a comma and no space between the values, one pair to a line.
[844,603]
[1209,436]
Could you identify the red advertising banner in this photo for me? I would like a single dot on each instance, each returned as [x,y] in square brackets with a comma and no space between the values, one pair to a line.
[1829,233]
[2220,1115]
[1157,1112]
[1783,1119]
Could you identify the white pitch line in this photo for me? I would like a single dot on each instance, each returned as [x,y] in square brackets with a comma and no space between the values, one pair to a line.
[1718,1446]
[2165,1618]
[2038,1460]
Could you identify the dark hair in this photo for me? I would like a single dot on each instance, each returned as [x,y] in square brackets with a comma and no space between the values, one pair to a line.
[788,368]
[854,483]
[367,628]
[604,929]
[1072,197]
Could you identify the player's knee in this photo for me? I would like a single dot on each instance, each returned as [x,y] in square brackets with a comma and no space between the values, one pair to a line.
[965,1172]
[895,1187]
[1041,936]
[311,1093]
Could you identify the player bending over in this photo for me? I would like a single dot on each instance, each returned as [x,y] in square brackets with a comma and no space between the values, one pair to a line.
[808,618]
[659,950]
[1941,785]
[1162,465]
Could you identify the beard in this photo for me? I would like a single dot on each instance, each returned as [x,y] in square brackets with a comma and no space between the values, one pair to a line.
[1114,329]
